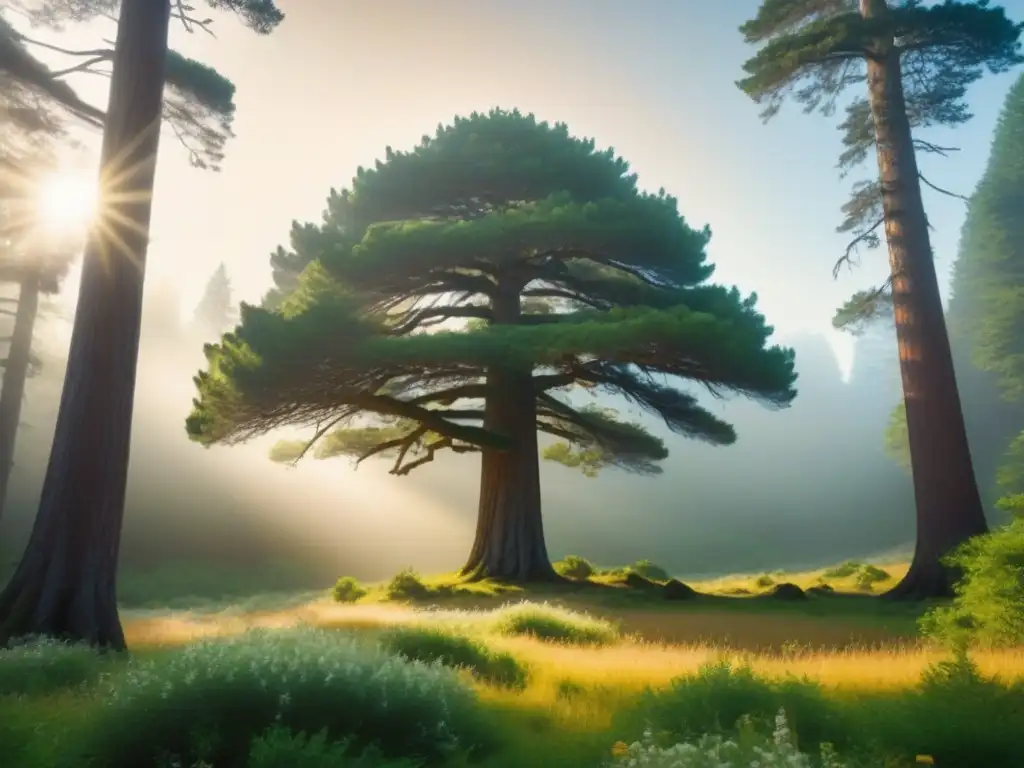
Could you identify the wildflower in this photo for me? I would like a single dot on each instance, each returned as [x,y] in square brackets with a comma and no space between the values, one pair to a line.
[620,749]
[924,760]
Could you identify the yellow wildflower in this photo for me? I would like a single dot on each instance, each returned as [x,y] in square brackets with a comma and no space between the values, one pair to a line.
[620,749]
[924,760]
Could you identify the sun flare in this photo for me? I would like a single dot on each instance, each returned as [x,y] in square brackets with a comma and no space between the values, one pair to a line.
[67,202]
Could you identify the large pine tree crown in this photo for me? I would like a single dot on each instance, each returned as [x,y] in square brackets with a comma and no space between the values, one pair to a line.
[536,252]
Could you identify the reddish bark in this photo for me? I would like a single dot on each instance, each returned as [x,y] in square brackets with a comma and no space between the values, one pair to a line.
[948,504]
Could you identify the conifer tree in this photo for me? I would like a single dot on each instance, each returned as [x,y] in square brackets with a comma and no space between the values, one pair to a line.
[64,585]
[215,312]
[915,62]
[549,270]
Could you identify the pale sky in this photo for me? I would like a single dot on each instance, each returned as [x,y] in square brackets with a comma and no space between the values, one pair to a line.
[340,80]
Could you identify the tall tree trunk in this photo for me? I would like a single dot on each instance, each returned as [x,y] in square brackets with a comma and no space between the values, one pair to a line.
[509,543]
[65,585]
[12,390]
[946,495]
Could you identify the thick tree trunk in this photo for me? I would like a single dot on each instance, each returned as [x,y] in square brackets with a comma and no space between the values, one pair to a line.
[509,543]
[65,585]
[12,390]
[949,509]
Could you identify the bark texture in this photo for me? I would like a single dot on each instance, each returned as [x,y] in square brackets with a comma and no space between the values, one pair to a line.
[948,505]
[65,584]
[509,543]
[12,390]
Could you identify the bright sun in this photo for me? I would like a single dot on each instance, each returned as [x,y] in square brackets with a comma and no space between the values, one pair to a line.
[67,202]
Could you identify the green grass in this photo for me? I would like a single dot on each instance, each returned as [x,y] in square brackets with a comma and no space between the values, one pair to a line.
[452,649]
[552,623]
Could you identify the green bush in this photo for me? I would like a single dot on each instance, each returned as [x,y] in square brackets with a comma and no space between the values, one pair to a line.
[955,715]
[549,622]
[574,567]
[988,609]
[280,748]
[765,581]
[844,571]
[348,590]
[406,585]
[649,570]
[209,701]
[42,666]
[716,699]
[869,575]
[435,644]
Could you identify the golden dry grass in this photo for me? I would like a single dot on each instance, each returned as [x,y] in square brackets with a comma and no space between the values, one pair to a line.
[663,645]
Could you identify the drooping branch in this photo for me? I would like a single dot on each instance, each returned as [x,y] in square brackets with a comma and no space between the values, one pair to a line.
[941,190]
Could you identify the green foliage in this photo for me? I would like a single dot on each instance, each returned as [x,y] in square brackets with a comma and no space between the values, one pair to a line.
[649,570]
[209,701]
[574,567]
[549,622]
[715,700]
[280,748]
[870,575]
[43,666]
[988,277]
[765,580]
[406,585]
[843,571]
[435,644]
[545,261]
[347,590]
[988,609]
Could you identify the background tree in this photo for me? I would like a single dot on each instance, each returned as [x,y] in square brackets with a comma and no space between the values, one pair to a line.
[215,312]
[65,583]
[571,278]
[917,63]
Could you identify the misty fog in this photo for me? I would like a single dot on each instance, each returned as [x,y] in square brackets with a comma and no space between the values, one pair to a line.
[810,478]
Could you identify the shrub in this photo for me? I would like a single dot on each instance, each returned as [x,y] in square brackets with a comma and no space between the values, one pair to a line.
[406,585]
[280,748]
[955,714]
[549,622]
[844,571]
[870,575]
[574,567]
[209,701]
[434,644]
[765,581]
[713,751]
[714,700]
[348,590]
[988,609]
[41,666]
[649,570]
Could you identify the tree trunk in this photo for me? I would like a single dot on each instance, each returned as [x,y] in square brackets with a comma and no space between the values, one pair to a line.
[65,584]
[509,543]
[12,390]
[946,495]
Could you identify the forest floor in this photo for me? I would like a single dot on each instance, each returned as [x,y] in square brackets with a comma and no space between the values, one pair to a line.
[558,675]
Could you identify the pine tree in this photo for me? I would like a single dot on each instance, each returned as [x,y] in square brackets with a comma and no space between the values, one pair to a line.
[64,585]
[549,270]
[917,62]
[215,312]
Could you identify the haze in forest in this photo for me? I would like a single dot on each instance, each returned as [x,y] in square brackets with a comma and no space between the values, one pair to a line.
[344,80]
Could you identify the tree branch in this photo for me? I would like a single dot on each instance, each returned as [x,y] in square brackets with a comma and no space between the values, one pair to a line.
[941,190]
[84,66]
[865,236]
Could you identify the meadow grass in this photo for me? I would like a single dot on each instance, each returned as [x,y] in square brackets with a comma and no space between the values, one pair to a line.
[561,676]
